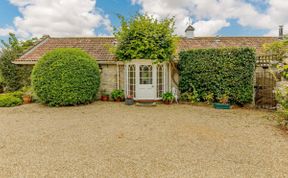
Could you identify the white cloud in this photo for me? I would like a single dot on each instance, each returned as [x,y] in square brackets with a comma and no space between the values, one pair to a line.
[6,31]
[209,27]
[212,15]
[58,18]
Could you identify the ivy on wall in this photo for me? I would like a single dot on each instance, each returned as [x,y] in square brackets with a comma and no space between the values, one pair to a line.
[219,71]
[144,37]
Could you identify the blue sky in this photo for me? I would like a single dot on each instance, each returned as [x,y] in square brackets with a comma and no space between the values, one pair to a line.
[210,17]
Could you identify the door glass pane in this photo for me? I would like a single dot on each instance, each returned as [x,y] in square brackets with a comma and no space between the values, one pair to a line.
[160,80]
[146,74]
[131,80]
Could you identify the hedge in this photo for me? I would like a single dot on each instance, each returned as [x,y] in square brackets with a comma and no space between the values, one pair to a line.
[219,71]
[65,77]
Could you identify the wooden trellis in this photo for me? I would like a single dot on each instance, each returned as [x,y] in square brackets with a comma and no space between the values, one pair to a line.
[266,80]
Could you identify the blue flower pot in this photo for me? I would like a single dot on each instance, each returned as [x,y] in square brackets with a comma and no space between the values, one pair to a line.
[221,106]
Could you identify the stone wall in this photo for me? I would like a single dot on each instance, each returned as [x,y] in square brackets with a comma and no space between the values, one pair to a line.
[109,77]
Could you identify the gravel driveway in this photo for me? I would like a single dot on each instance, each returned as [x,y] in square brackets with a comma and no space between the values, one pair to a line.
[114,140]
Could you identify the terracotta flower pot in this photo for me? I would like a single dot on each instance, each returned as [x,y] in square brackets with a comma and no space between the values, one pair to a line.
[104,98]
[118,100]
[27,99]
[167,102]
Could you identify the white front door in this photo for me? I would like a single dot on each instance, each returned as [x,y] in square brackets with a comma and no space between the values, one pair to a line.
[145,80]
[145,87]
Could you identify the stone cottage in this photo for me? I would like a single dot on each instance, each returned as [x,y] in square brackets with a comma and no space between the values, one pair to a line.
[138,78]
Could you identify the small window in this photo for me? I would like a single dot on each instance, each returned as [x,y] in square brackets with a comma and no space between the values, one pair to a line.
[146,77]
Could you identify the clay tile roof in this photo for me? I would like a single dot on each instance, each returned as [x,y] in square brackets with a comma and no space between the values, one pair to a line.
[218,42]
[98,47]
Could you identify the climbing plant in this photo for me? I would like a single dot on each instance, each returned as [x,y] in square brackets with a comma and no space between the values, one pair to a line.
[144,37]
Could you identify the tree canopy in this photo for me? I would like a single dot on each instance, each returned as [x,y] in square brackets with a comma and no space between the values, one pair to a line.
[144,37]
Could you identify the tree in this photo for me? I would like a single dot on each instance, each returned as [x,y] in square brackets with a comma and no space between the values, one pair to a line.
[144,37]
[14,76]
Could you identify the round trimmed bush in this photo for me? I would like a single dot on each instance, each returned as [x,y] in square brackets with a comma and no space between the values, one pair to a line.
[65,77]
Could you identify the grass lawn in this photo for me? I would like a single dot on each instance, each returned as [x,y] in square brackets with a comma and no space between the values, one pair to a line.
[114,140]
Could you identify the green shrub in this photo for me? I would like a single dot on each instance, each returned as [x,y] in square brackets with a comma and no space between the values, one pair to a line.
[168,97]
[9,100]
[219,71]
[17,94]
[282,99]
[117,95]
[66,77]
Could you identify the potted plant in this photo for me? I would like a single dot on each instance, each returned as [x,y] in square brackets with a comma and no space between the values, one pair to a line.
[104,95]
[129,100]
[118,95]
[223,102]
[168,98]
[27,95]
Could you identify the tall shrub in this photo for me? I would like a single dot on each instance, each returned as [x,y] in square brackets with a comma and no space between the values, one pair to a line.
[14,76]
[144,37]
[66,77]
[219,71]
[9,70]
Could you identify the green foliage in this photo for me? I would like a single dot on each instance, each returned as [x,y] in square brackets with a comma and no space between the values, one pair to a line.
[168,97]
[17,94]
[66,77]
[208,97]
[278,47]
[9,70]
[11,99]
[14,77]
[283,69]
[282,99]
[223,99]
[144,37]
[190,96]
[2,84]
[219,71]
[117,95]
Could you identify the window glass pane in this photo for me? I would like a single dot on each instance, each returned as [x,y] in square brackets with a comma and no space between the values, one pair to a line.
[146,74]
[131,80]
[160,81]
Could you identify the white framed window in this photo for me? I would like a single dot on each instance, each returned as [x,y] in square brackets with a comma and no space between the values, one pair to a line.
[160,80]
[146,72]
[131,81]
